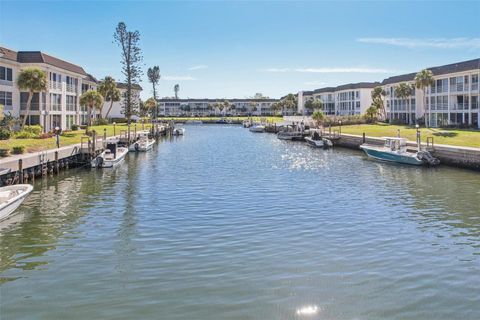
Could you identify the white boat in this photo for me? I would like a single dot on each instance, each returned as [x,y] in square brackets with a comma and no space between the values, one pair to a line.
[194,122]
[395,150]
[317,141]
[257,128]
[178,131]
[144,143]
[247,123]
[11,198]
[112,156]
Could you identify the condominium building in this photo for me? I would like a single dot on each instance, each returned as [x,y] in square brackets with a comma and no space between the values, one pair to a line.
[59,105]
[117,110]
[208,107]
[348,99]
[452,100]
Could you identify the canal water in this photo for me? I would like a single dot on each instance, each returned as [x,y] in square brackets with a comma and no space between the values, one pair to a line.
[226,224]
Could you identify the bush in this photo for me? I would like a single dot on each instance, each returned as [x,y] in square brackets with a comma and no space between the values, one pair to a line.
[26,135]
[74,127]
[101,122]
[5,134]
[18,149]
[37,130]
[118,120]
[4,153]
[46,135]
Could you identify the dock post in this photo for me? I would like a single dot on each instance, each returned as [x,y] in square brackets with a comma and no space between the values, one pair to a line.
[135,130]
[94,142]
[104,134]
[364,137]
[56,163]
[20,170]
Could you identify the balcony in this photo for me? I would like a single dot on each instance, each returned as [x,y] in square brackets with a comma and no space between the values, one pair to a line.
[34,106]
[71,107]
[55,85]
[460,106]
[440,89]
[475,86]
[71,88]
[457,87]
[55,107]
[6,83]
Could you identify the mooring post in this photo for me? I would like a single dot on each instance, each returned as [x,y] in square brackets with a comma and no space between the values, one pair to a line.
[20,170]
[135,128]
[94,141]
[56,162]
[104,134]
[364,137]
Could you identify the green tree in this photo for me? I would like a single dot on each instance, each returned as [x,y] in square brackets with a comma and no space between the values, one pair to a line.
[128,41]
[253,106]
[226,105]
[276,107]
[289,102]
[378,94]
[423,80]
[319,117]
[404,91]
[32,80]
[151,106]
[93,100]
[154,76]
[372,113]
[108,89]
[176,89]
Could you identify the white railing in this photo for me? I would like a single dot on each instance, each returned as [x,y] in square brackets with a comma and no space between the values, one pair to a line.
[71,88]
[6,83]
[474,86]
[55,85]
[55,107]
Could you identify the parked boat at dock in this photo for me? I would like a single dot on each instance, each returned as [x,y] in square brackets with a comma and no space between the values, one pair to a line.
[112,156]
[144,143]
[395,150]
[178,131]
[290,132]
[257,128]
[11,197]
[317,141]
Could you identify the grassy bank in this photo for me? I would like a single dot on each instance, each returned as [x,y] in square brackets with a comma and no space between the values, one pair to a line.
[68,138]
[457,137]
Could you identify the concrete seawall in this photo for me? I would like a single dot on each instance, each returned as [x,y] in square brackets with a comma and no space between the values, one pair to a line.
[461,157]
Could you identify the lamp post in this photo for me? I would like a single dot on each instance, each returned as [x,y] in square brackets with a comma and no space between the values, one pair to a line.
[114,127]
[418,136]
[57,136]
[340,123]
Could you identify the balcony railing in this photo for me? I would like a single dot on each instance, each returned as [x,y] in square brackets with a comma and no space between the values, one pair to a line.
[71,107]
[33,106]
[457,87]
[439,89]
[55,85]
[71,88]
[6,83]
[55,107]
[475,86]
[460,106]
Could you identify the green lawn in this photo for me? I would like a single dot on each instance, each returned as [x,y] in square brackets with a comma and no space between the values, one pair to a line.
[457,137]
[72,137]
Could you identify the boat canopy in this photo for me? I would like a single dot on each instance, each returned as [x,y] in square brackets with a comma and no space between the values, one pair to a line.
[396,144]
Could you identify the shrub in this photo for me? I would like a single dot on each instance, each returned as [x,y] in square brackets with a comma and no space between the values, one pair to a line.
[74,127]
[25,135]
[5,134]
[118,120]
[46,135]
[37,130]
[101,122]
[18,149]
[4,153]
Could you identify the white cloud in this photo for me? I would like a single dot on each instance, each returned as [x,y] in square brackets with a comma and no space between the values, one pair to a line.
[443,43]
[344,70]
[315,83]
[178,78]
[276,69]
[200,66]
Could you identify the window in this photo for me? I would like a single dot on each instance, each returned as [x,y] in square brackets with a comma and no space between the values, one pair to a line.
[6,99]
[71,103]
[55,102]
[6,74]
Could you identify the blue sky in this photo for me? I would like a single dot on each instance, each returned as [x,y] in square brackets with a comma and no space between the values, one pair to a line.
[235,49]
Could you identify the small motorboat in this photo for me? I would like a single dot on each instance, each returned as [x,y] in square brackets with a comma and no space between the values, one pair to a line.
[290,132]
[257,128]
[178,131]
[11,197]
[395,150]
[317,141]
[112,156]
[144,143]
[223,121]
[247,123]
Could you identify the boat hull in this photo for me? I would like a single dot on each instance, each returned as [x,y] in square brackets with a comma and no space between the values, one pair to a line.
[315,143]
[392,157]
[7,208]
[110,163]
[141,147]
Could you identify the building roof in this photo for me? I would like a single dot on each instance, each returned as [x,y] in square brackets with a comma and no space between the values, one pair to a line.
[135,86]
[90,78]
[437,71]
[8,54]
[358,85]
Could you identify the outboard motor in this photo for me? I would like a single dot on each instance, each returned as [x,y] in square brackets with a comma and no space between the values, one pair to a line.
[427,158]
[99,162]
[113,148]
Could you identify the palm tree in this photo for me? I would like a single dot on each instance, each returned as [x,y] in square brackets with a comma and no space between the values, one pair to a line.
[151,105]
[33,80]
[377,96]
[253,106]
[154,76]
[290,101]
[318,116]
[423,80]
[404,91]
[108,89]
[276,106]
[93,100]
[226,105]
[210,107]
[176,88]
[220,106]
[372,112]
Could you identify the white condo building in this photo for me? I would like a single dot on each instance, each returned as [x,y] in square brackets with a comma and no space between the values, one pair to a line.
[452,100]
[206,107]
[348,99]
[59,105]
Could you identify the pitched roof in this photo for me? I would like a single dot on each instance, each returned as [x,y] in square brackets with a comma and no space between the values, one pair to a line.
[135,86]
[90,78]
[8,54]
[359,85]
[437,71]
[216,100]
